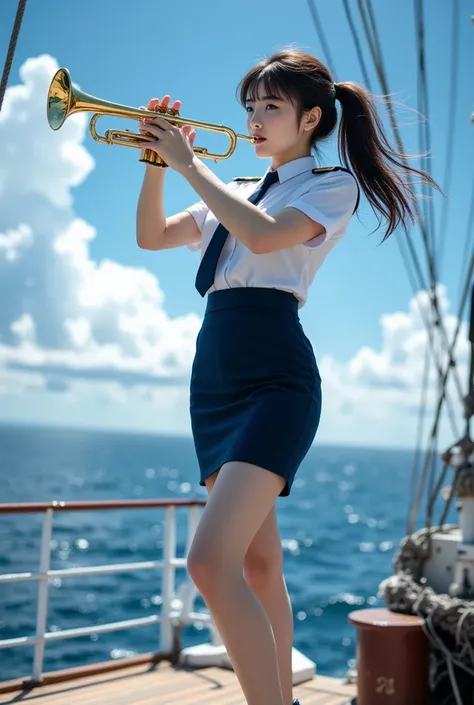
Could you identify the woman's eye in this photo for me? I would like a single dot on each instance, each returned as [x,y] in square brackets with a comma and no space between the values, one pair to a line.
[270,105]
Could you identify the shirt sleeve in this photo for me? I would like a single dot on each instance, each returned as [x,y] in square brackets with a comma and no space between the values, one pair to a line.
[200,211]
[330,201]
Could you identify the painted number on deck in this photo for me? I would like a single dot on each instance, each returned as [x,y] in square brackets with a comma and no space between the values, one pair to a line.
[385,685]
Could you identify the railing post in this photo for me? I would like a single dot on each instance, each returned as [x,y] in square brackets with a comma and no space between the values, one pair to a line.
[168,581]
[42,606]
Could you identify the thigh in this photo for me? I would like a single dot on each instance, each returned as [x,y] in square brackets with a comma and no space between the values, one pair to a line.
[265,548]
[242,497]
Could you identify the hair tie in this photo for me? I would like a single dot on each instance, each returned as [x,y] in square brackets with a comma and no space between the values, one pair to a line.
[337,92]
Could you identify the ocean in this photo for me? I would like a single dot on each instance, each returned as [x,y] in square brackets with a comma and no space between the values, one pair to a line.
[340,529]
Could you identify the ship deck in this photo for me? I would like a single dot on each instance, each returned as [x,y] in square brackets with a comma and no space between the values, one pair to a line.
[165,684]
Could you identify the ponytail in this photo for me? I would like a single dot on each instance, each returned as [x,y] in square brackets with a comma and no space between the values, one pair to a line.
[365,150]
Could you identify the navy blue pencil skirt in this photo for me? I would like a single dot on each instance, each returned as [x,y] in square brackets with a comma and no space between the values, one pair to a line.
[255,392]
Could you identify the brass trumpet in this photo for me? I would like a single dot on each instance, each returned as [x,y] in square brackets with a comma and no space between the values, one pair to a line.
[64,100]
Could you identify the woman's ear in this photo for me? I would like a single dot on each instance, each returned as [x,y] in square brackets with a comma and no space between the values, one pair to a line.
[313,117]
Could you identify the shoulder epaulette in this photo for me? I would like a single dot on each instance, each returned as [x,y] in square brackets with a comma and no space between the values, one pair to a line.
[247,178]
[325,169]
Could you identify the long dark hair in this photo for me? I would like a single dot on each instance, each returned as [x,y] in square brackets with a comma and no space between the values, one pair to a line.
[364,149]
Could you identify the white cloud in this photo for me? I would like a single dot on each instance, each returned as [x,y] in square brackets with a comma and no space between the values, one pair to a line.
[97,334]
[54,165]
[71,317]
[404,335]
[376,394]
[13,241]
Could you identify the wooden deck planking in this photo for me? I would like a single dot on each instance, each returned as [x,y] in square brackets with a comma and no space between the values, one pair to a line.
[165,685]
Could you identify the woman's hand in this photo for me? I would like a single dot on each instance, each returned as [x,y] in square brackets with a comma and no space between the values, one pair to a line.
[171,143]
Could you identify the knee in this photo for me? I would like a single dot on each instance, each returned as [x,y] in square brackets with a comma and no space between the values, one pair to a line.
[261,572]
[202,565]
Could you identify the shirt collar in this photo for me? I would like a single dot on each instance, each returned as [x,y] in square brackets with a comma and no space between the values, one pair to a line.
[294,168]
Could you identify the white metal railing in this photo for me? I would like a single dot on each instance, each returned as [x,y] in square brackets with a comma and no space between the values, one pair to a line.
[176,610]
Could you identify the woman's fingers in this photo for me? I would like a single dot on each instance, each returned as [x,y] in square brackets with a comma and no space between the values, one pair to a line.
[164,103]
[146,122]
[160,122]
[150,129]
[190,133]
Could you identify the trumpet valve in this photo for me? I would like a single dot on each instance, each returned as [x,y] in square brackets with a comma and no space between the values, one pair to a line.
[149,156]
[166,111]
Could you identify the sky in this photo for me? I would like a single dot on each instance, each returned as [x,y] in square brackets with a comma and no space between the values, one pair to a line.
[96,333]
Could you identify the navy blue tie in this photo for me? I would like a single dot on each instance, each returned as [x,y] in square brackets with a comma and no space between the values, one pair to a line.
[207,269]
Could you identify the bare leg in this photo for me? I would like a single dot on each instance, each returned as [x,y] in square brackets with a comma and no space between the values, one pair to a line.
[241,499]
[263,571]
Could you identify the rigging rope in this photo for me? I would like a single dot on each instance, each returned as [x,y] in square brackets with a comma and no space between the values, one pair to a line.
[469,236]
[376,54]
[357,43]
[448,621]
[374,44]
[424,136]
[322,38]
[419,433]
[424,129]
[452,102]
[11,49]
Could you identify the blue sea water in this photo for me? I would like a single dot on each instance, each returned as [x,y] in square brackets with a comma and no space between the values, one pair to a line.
[340,528]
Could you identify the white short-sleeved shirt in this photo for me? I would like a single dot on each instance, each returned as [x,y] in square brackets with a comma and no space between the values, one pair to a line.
[329,198]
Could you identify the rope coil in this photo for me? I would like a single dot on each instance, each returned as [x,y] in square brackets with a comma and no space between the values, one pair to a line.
[448,620]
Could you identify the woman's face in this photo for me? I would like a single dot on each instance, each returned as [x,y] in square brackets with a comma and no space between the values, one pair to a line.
[276,120]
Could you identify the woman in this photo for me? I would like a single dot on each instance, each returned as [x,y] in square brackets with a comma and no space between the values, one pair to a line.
[255,385]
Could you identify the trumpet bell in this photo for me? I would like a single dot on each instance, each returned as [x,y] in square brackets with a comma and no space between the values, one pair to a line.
[59,99]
